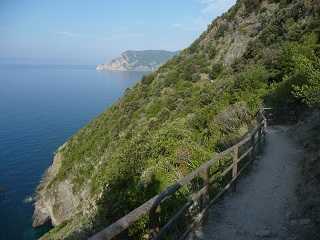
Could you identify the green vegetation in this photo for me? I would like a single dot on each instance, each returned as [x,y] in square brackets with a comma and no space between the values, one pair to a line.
[173,120]
[306,66]
[300,75]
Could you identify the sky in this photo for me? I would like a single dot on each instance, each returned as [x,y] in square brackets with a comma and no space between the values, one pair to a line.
[94,31]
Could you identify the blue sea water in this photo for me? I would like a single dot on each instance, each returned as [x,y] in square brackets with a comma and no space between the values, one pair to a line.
[40,108]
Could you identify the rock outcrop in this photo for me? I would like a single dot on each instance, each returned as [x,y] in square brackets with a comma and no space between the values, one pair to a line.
[56,201]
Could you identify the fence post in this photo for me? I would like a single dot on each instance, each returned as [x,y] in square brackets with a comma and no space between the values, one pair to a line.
[253,145]
[155,223]
[260,139]
[205,197]
[265,125]
[235,166]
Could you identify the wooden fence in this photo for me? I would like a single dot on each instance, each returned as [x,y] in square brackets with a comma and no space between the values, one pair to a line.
[202,187]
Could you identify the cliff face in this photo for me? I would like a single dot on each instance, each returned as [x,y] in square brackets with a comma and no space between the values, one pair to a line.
[148,60]
[170,122]
[59,204]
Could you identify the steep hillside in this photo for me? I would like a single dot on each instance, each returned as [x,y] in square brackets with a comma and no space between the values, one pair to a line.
[148,60]
[174,119]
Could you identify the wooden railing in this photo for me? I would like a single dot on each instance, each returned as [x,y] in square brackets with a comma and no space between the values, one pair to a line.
[213,185]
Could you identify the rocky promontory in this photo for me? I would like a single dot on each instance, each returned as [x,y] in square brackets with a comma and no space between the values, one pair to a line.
[148,60]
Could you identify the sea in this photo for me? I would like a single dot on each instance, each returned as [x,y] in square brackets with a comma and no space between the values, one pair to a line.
[41,106]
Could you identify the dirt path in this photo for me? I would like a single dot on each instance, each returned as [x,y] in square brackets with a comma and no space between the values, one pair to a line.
[264,204]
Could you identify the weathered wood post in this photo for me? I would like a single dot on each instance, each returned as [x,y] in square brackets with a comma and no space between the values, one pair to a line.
[205,198]
[205,177]
[260,139]
[235,167]
[265,124]
[253,145]
[155,222]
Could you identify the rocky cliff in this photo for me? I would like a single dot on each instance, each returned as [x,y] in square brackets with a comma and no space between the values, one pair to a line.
[148,60]
[170,122]
[59,205]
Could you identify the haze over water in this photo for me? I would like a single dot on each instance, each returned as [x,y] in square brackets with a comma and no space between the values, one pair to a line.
[40,108]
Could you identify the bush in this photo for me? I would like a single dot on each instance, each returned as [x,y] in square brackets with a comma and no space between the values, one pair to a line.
[147,79]
[251,5]
[300,69]
[216,70]
[221,30]
[251,85]
[309,90]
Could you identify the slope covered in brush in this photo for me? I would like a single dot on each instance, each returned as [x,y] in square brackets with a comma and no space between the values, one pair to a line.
[174,119]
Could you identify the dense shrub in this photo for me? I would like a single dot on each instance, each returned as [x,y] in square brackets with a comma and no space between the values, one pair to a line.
[216,70]
[251,5]
[221,30]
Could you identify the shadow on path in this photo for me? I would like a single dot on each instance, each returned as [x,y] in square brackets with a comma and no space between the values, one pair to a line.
[265,197]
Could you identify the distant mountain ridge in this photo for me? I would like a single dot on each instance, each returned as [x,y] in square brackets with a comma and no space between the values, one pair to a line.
[146,60]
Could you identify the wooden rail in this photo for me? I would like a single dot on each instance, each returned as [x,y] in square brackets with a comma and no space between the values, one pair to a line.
[201,199]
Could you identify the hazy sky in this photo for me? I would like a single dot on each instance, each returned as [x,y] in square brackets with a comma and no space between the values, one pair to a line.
[93,31]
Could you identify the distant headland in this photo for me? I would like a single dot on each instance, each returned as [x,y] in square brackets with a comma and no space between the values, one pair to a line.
[147,60]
